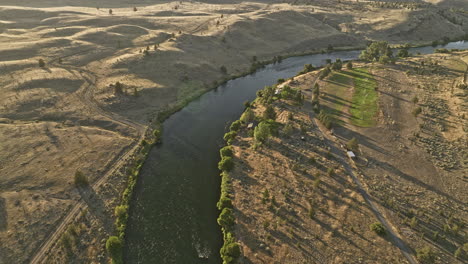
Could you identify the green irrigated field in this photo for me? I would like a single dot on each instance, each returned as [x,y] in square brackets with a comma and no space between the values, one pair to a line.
[362,100]
[365,99]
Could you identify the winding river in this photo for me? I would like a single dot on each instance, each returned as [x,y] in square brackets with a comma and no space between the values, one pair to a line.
[173,211]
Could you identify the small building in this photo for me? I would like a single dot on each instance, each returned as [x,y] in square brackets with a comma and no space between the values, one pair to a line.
[350,154]
[250,126]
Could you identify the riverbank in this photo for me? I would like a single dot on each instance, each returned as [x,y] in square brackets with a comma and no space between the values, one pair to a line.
[287,200]
[70,116]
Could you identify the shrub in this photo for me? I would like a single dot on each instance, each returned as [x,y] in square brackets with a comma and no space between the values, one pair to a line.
[230,253]
[247,104]
[352,144]
[415,99]
[247,116]
[385,59]
[41,63]
[378,228]
[280,80]
[338,65]
[80,179]
[349,65]
[230,136]
[226,219]
[269,113]
[235,126]
[311,212]
[223,69]
[287,129]
[402,53]
[157,135]
[114,248]
[417,111]
[414,222]
[262,132]
[442,50]
[226,164]
[425,255]
[307,68]
[324,73]
[226,151]
[135,9]
[325,119]
[224,202]
[110,11]
[118,88]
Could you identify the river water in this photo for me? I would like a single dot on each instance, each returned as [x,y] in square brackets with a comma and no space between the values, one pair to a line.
[173,211]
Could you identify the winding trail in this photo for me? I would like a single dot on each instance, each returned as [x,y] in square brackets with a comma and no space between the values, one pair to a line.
[341,157]
[85,94]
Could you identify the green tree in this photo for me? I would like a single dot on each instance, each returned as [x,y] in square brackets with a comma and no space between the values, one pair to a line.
[41,63]
[226,164]
[269,113]
[247,116]
[235,126]
[226,151]
[262,132]
[230,253]
[226,218]
[378,228]
[230,136]
[349,65]
[114,248]
[338,65]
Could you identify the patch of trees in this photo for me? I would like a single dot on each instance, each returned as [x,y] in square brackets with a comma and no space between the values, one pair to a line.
[288,93]
[230,251]
[337,65]
[377,51]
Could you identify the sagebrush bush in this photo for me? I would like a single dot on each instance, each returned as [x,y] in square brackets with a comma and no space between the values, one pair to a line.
[378,228]
[80,179]
[425,255]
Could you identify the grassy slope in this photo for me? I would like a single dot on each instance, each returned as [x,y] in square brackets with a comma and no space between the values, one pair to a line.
[336,90]
[365,99]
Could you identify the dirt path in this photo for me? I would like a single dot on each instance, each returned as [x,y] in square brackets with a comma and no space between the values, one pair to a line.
[85,94]
[341,156]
